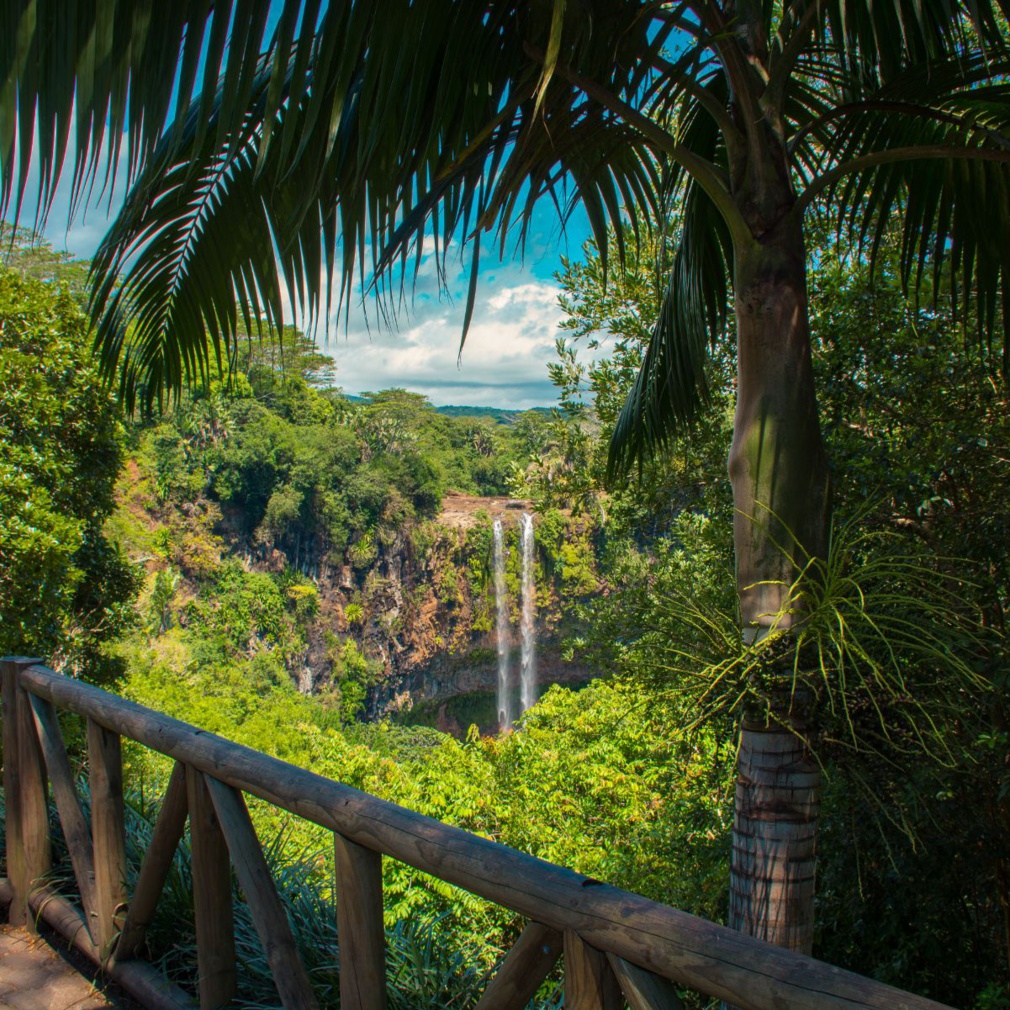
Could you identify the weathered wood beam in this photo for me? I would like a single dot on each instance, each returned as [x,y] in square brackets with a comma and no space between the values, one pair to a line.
[212,908]
[589,982]
[524,969]
[697,954]
[157,864]
[257,885]
[35,841]
[14,846]
[360,932]
[642,989]
[108,832]
[140,980]
[75,828]
[17,869]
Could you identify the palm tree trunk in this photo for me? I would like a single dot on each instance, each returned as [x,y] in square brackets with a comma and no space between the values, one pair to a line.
[779,472]
[777,462]
[774,837]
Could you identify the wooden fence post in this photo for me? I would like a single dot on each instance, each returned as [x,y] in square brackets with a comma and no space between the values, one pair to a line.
[25,788]
[215,922]
[268,914]
[360,931]
[642,989]
[523,970]
[156,866]
[12,795]
[589,979]
[68,803]
[108,831]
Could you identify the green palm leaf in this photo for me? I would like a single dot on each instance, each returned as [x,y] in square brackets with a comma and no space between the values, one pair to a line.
[950,124]
[207,222]
[672,384]
[346,137]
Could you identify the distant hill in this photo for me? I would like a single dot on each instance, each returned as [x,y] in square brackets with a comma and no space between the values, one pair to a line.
[503,415]
[499,414]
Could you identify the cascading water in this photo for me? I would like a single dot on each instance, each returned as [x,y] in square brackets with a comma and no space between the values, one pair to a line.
[502,627]
[528,670]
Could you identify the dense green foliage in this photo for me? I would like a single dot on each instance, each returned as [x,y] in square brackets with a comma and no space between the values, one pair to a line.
[918,424]
[303,470]
[905,629]
[280,525]
[594,781]
[64,588]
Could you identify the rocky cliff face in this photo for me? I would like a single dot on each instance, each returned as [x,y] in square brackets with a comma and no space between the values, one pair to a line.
[406,612]
[419,602]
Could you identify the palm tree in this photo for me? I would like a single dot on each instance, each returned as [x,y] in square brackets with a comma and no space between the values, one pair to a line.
[302,143]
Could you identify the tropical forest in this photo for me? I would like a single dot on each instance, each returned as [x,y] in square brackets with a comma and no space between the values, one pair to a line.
[719,620]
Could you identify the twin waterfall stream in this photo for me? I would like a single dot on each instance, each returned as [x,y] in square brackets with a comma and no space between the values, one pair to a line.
[527,625]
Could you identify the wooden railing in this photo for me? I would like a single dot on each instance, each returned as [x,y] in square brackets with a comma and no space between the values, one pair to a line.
[618,948]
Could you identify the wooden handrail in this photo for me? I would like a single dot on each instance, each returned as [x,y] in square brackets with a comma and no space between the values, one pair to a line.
[593,916]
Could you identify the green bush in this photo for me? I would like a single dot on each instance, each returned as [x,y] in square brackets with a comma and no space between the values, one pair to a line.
[64,587]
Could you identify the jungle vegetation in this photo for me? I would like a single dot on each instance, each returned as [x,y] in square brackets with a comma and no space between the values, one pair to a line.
[222,515]
[301,144]
[732,131]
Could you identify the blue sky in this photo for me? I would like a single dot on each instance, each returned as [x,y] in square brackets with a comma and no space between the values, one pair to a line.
[511,339]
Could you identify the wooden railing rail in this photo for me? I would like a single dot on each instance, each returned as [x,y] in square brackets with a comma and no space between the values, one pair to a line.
[617,947]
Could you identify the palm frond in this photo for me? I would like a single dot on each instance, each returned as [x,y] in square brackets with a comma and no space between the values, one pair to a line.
[949,127]
[208,211]
[873,42]
[867,56]
[672,384]
[438,128]
[89,75]
[345,140]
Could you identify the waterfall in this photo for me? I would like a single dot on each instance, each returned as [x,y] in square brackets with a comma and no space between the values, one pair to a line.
[527,624]
[528,670]
[502,627]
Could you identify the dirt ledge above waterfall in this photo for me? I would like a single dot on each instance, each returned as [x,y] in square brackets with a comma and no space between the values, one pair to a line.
[459,511]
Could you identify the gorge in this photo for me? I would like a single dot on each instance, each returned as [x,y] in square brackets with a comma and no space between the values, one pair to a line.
[481,618]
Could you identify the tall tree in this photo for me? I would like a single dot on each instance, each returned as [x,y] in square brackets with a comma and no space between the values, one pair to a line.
[299,140]
[64,588]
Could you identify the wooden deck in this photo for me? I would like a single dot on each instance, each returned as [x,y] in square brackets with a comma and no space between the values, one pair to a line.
[36,975]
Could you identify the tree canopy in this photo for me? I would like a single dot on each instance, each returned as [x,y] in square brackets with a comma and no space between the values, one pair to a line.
[64,588]
[281,157]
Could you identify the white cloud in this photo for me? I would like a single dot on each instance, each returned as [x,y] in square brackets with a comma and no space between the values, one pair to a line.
[511,338]
[504,360]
